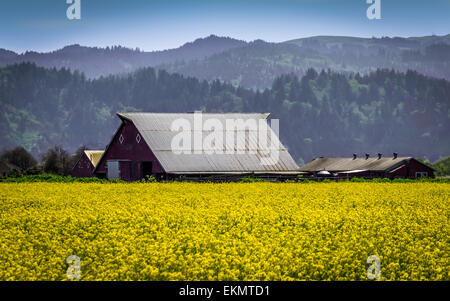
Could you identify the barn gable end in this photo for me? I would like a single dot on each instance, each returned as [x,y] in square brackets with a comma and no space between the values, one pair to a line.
[413,169]
[135,158]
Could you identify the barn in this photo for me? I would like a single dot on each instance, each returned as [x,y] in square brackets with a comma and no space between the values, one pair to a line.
[84,168]
[367,167]
[142,147]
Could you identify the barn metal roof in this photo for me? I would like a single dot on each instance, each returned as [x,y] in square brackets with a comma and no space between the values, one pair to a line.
[349,164]
[94,156]
[155,128]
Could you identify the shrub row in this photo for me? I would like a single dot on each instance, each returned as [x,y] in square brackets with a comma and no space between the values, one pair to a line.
[60,179]
[56,179]
[379,180]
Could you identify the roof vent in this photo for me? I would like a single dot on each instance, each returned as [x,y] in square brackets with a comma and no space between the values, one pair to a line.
[355,156]
[379,156]
[395,155]
[367,156]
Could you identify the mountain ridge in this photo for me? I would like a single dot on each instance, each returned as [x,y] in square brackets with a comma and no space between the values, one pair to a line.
[254,64]
[97,61]
[213,36]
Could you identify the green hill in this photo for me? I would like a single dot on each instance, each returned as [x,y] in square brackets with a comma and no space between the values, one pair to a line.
[257,64]
[322,113]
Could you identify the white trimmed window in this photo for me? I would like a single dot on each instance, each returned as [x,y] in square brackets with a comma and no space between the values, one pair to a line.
[420,174]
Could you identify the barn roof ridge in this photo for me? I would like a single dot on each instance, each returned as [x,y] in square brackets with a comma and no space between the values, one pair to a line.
[130,115]
[189,113]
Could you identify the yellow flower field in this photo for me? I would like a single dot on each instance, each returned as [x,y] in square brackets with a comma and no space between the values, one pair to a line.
[258,231]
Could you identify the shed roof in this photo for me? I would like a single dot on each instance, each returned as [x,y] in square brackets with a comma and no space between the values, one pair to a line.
[348,164]
[94,156]
[155,128]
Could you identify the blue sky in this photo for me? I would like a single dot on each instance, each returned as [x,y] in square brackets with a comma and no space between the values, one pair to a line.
[42,25]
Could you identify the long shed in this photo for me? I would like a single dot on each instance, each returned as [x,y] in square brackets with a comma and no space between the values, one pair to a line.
[368,167]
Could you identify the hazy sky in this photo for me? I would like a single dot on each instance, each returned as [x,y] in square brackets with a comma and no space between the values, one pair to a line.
[42,25]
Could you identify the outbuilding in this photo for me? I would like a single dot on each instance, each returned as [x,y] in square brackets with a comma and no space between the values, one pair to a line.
[368,167]
[84,168]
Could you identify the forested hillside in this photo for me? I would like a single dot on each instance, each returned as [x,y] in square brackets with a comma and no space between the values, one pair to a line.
[95,62]
[323,113]
[259,63]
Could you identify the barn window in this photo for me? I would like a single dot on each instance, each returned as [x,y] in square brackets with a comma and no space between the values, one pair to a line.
[121,139]
[138,138]
[420,174]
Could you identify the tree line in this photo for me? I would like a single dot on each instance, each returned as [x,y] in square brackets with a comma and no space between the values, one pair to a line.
[18,162]
[322,113]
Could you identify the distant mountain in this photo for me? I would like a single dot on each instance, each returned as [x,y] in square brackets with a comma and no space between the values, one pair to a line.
[259,63]
[256,64]
[330,43]
[95,62]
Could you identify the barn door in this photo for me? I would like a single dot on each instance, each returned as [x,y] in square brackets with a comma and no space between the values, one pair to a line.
[113,169]
[125,170]
[147,168]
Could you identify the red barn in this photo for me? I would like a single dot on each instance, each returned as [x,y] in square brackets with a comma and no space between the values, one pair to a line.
[368,167]
[142,147]
[84,168]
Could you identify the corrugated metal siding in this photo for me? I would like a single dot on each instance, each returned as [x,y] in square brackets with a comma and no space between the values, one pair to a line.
[156,131]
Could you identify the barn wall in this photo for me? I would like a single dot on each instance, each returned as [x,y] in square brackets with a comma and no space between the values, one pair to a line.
[83,168]
[132,152]
[400,173]
[415,166]
[410,169]
[362,174]
[125,170]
